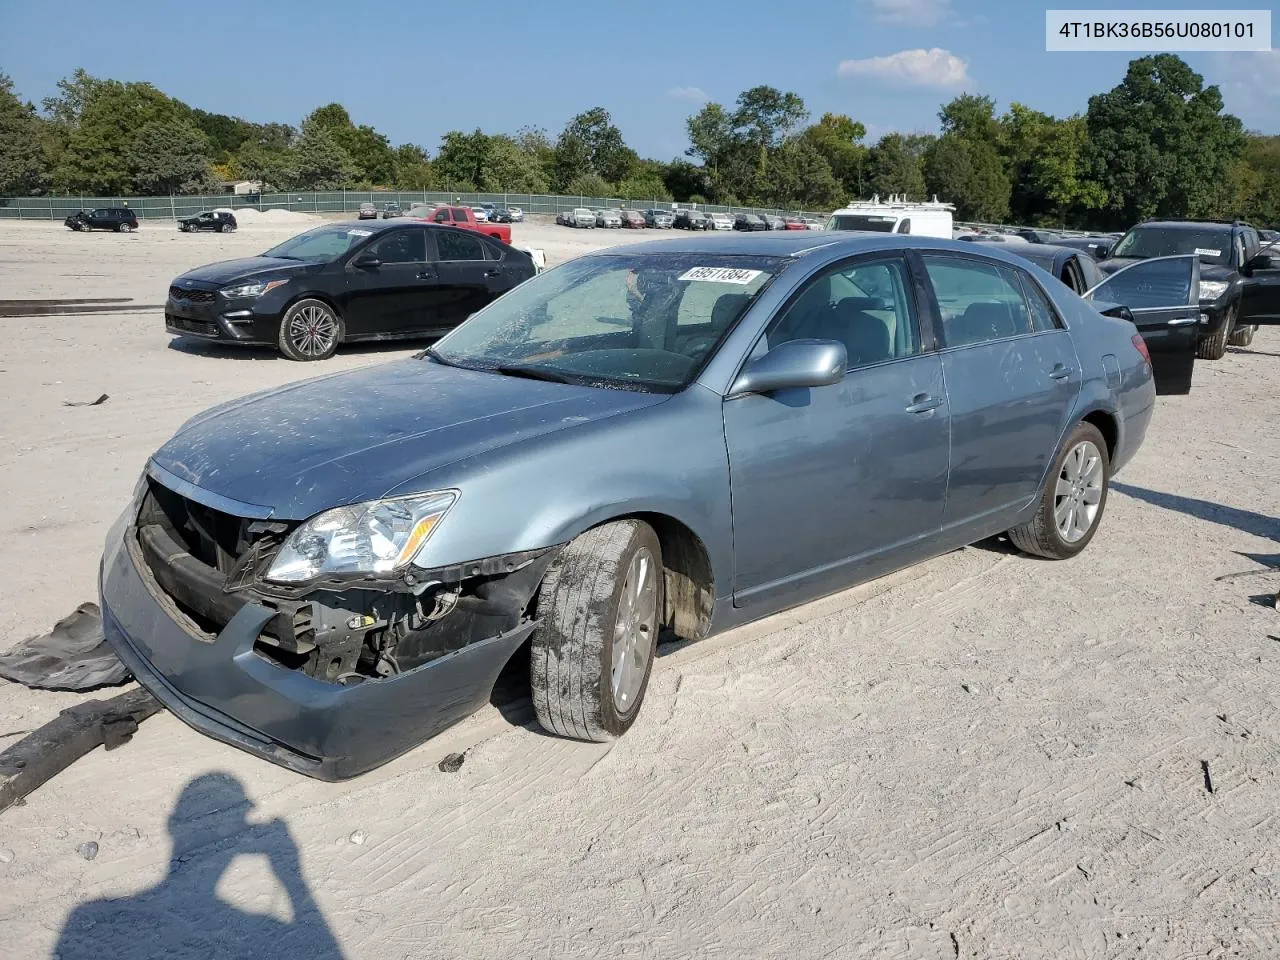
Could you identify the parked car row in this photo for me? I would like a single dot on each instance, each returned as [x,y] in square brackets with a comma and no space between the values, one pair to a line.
[327,574]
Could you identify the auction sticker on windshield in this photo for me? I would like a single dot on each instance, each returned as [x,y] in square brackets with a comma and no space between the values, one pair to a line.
[1206,252]
[720,275]
[359,233]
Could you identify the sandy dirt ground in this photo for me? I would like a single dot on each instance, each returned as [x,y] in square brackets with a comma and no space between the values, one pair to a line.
[984,756]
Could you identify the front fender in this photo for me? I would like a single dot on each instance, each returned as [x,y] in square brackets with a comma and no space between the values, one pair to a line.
[667,459]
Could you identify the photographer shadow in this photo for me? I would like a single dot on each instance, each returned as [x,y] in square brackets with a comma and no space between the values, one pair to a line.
[183,915]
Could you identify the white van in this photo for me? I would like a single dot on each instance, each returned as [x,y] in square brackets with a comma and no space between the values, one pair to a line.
[895,215]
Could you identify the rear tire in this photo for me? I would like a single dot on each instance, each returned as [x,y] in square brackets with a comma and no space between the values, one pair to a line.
[310,330]
[125,228]
[600,606]
[1243,336]
[1075,493]
[1214,346]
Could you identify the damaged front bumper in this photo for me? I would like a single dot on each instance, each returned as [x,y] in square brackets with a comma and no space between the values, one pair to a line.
[234,677]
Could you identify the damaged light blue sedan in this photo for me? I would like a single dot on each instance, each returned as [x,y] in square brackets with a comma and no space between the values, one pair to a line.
[660,440]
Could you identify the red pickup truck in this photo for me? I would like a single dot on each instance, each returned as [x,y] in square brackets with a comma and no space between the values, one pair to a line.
[464,218]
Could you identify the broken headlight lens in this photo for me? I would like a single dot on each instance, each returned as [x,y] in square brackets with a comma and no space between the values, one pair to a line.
[379,537]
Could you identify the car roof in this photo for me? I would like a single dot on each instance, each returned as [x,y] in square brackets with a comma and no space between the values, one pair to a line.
[1186,224]
[798,243]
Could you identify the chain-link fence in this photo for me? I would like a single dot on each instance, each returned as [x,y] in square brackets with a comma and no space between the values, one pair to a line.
[337,202]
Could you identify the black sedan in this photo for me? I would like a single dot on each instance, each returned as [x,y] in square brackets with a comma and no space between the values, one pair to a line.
[219,221]
[748,221]
[500,215]
[343,282]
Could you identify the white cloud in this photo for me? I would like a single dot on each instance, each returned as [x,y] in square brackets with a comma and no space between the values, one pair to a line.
[917,13]
[911,68]
[1250,84]
[688,93]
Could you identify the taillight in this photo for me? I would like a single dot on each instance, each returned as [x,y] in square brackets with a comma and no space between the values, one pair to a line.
[1141,346]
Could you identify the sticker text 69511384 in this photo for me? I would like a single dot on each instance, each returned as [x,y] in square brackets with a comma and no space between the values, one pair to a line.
[720,275]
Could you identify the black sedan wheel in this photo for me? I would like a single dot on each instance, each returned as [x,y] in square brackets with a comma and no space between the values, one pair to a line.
[310,330]
[600,605]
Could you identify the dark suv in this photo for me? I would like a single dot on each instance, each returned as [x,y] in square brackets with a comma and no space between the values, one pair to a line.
[119,219]
[218,220]
[1239,275]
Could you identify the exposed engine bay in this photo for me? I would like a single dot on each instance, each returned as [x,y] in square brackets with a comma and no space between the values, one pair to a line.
[208,564]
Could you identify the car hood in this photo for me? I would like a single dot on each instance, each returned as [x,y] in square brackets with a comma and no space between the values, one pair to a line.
[353,436]
[227,270]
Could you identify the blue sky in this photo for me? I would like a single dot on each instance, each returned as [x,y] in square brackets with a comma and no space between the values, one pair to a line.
[417,69]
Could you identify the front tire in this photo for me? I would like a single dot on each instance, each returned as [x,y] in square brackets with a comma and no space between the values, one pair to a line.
[310,330]
[600,604]
[1214,346]
[1072,501]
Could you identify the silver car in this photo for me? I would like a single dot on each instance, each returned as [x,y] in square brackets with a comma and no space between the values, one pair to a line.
[582,217]
[721,221]
[670,438]
[608,218]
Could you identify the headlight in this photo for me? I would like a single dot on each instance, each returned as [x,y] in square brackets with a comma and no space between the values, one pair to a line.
[379,537]
[1212,289]
[251,289]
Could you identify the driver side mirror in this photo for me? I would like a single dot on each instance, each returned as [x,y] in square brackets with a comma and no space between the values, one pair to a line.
[796,363]
[366,261]
[1262,261]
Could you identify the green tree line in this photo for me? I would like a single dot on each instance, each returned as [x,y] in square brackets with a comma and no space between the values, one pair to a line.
[1157,144]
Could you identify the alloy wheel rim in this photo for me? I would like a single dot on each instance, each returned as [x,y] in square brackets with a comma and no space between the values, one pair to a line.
[1078,494]
[312,331]
[634,630]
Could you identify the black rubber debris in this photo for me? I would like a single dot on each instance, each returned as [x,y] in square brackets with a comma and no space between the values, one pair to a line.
[46,752]
[452,763]
[74,655]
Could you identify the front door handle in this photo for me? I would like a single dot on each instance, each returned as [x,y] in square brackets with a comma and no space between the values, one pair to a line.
[1060,372]
[923,403]
[427,275]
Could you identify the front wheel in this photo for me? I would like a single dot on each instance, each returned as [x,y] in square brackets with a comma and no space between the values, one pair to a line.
[600,606]
[310,330]
[1214,346]
[1072,501]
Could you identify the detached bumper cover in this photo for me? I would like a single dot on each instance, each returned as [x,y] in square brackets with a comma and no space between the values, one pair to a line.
[226,690]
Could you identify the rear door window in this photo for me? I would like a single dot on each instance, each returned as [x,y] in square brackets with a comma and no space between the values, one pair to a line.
[979,301]
[452,245]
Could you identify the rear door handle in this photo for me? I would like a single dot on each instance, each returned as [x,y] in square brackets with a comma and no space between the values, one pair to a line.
[427,275]
[1059,372]
[495,272]
[923,403]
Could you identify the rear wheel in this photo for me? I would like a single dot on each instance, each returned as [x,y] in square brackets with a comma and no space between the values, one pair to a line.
[1214,346]
[1243,336]
[125,227]
[1072,501]
[600,605]
[310,330]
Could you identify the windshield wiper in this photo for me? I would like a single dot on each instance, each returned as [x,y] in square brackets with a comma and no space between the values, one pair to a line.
[439,358]
[532,373]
